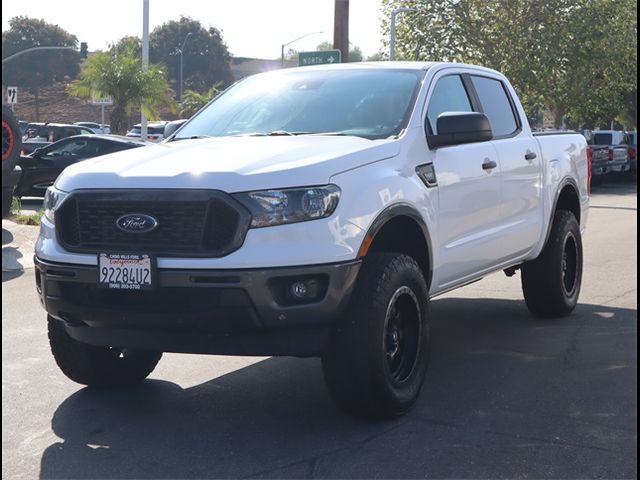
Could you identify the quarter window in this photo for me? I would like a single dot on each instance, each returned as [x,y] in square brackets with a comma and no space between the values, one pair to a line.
[495,105]
[449,95]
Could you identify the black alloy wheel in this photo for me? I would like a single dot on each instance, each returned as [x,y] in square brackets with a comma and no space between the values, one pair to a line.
[402,333]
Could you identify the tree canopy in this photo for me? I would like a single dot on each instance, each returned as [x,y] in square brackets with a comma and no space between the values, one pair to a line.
[119,74]
[205,57]
[35,70]
[574,58]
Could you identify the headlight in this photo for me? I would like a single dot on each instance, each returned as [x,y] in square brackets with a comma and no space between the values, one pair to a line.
[52,200]
[277,207]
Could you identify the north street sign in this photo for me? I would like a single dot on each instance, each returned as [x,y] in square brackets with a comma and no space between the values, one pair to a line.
[318,58]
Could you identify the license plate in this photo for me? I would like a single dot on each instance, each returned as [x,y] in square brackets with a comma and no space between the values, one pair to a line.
[125,271]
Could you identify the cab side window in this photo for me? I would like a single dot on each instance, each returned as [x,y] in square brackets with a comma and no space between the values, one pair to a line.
[449,95]
[496,105]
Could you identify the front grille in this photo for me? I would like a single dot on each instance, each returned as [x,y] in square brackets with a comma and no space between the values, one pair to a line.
[190,222]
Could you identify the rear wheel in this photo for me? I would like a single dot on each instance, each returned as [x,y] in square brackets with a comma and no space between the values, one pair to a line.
[98,366]
[378,356]
[551,283]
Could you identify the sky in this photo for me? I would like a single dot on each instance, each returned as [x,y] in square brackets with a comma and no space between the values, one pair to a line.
[250,28]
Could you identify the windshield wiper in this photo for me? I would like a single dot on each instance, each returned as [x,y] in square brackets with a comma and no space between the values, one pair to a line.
[332,134]
[275,133]
[193,137]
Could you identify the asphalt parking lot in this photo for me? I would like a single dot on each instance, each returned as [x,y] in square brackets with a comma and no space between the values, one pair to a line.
[506,395]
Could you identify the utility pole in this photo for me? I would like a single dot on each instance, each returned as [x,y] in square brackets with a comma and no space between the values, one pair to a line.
[182,50]
[145,59]
[341,28]
[392,40]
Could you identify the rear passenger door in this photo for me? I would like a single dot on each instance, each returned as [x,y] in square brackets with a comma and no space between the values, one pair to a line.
[521,212]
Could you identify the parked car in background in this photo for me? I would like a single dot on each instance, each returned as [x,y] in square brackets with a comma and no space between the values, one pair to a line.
[41,168]
[172,127]
[42,134]
[96,127]
[633,151]
[23,127]
[609,152]
[155,131]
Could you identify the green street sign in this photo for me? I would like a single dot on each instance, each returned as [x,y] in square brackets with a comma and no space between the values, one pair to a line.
[318,58]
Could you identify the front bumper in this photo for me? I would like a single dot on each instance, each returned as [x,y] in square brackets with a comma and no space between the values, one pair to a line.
[229,312]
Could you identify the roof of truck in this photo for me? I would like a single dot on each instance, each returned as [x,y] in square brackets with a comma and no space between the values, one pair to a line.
[400,65]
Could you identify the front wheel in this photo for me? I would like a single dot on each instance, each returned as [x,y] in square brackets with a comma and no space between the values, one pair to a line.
[98,366]
[378,356]
[551,283]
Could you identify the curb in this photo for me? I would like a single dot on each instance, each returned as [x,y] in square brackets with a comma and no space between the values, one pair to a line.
[18,244]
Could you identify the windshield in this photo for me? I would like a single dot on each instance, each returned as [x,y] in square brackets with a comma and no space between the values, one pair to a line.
[371,103]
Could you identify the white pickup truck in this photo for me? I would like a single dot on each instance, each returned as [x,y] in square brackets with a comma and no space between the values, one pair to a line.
[312,211]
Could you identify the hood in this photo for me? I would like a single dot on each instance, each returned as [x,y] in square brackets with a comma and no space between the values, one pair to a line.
[231,164]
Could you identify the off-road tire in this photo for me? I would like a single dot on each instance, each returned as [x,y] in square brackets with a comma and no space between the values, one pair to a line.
[95,366]
[388,313]
[551,283]
[11,140]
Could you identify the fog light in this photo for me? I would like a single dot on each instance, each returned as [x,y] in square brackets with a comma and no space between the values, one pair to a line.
[304,289]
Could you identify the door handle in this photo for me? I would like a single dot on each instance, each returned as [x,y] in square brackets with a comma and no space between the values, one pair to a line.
[530,156]
[489,164]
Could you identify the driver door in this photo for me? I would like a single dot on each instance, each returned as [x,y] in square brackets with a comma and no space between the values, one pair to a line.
[469,194]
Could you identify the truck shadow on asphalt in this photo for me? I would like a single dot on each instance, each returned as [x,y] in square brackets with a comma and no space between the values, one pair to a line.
[504,396]
[11,268]
[615,186]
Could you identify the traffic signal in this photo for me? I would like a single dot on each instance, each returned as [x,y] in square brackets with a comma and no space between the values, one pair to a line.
[83,50]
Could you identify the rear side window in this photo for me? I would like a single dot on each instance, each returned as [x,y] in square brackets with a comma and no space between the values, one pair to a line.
[602,139]
[449,95]
[495,105]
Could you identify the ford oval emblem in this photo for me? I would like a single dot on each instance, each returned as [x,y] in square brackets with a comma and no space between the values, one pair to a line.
[136,223]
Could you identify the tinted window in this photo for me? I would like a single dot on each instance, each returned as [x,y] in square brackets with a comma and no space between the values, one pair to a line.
[150,130]
[448,96]
[496,105]
[602,139]
[111,147]
[76,148]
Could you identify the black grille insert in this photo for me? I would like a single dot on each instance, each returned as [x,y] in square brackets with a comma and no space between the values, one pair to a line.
[190,222]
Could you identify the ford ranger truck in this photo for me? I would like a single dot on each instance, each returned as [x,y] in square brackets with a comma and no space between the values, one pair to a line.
[312,211]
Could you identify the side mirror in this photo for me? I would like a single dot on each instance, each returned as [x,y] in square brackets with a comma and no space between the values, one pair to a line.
[456,128]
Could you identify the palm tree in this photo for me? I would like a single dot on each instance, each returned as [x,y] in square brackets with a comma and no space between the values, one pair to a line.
[118,74]
[193,101]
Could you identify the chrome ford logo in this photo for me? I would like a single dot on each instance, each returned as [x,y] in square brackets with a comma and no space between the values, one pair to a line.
[136,223]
